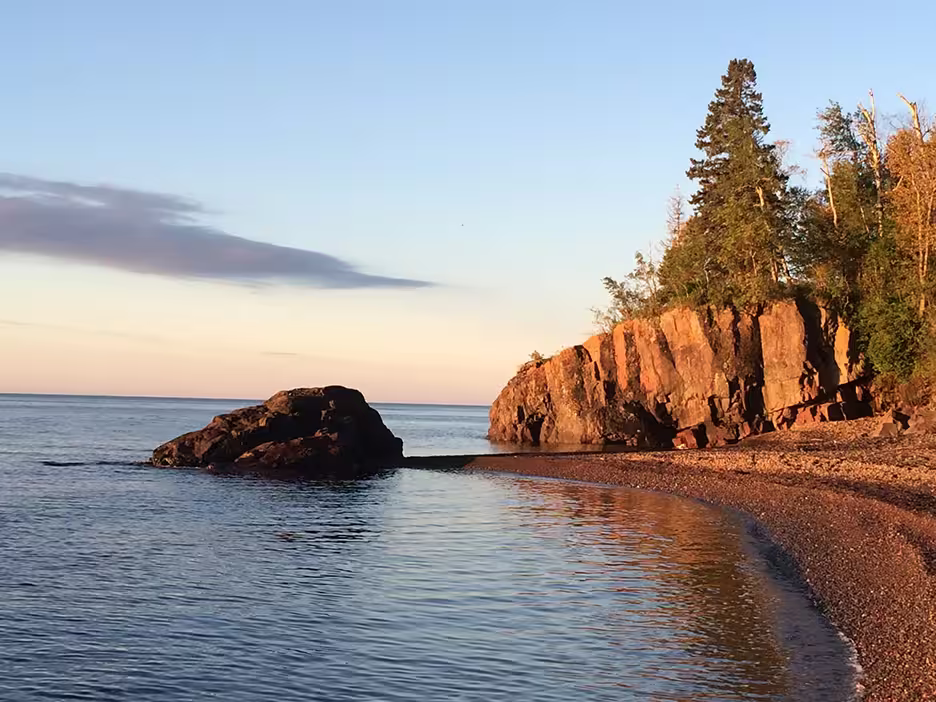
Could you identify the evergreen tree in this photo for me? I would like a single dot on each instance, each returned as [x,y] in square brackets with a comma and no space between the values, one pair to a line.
[742,205]
[864,243]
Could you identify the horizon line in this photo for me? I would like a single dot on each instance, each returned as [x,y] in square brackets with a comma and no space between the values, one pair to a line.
[213,399]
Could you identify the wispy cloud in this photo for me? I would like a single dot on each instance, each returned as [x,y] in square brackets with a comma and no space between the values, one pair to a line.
[41,326]
[156,233]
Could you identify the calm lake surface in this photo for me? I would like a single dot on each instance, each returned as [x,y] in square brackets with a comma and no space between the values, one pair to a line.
[124,582]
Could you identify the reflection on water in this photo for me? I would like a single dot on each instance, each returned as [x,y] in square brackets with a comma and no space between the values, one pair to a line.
[737,622]
[119,582]
[123,583]
[676,574]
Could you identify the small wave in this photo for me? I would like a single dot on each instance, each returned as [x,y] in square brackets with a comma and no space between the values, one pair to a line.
[855,665]
[68,464]
[823,661]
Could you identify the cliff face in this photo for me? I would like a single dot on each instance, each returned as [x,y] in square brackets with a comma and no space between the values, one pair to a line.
[692,378]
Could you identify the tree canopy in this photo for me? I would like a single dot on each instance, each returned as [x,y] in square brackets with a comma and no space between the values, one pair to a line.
[861,243]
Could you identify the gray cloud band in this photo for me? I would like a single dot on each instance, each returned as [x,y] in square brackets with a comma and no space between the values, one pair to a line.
[156,233]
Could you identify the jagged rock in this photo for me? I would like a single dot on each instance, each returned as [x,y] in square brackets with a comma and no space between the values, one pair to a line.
[313,431]
[887,428]
[691,438]
[528,395]
[855,401]
[750,428]
[831,412]
[922,421]
[789,378]
[806,416]
[732,373]
[916,393]
[785,418]
[901,419]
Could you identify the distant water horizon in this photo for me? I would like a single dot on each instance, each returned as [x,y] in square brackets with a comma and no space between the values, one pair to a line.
[426,429]
[254,400]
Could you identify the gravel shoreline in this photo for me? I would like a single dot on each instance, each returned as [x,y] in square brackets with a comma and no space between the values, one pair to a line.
[857,515]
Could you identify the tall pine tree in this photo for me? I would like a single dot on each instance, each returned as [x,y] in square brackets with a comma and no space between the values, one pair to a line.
[741,205]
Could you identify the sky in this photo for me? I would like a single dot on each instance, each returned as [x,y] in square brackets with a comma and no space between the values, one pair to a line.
[227,198]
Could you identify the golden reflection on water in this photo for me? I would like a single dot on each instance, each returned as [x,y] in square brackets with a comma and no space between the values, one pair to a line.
[694,552]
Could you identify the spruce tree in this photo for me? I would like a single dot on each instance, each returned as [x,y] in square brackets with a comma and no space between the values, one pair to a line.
[741,202]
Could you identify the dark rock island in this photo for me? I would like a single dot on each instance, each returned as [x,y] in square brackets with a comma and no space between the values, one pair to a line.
[314,432]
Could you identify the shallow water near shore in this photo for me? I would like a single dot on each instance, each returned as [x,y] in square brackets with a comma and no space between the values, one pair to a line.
[123,582]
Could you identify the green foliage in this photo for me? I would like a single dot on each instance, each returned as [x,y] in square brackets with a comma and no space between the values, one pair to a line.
[741,220]
[860,243]
[836,224]
[637,295]
[890,330]
[837,136]
[692,272]
[894,335]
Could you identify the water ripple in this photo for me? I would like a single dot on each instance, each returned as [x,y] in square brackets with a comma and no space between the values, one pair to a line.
[120,583]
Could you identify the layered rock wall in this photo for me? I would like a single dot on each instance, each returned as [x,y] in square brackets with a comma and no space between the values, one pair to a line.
[693,377]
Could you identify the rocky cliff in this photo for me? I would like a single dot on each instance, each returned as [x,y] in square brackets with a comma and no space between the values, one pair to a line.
[689,378]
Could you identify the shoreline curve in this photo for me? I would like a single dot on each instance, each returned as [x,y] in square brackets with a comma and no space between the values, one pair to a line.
[857,516]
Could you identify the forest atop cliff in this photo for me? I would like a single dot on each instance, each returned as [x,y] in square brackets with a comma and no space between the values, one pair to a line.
[859,244]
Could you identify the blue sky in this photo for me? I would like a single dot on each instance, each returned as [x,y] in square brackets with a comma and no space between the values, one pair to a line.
[511,152]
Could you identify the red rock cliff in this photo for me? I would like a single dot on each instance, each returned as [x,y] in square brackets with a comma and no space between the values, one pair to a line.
[694,377]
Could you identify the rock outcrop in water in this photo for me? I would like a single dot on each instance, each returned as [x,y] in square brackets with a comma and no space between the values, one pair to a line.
[688,378]
[329,431]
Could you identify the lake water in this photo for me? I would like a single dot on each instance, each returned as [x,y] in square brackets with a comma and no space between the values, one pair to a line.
[124,582]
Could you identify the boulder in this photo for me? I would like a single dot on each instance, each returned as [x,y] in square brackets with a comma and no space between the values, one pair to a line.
[785,418]
[831,412]
[809,415]
[887,428]
[922,421]
[901,419]
[691,438]
[328,431]
[855,401]
[721,434]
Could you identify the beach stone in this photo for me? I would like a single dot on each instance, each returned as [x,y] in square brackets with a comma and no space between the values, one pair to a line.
[831,412]
[807,416]
[899,417]
[691,438]
[785,418]
[887,428]
[721,434]
[922,421]
[328,431]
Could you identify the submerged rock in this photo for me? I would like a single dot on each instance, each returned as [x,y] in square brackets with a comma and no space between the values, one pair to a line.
[329,431]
